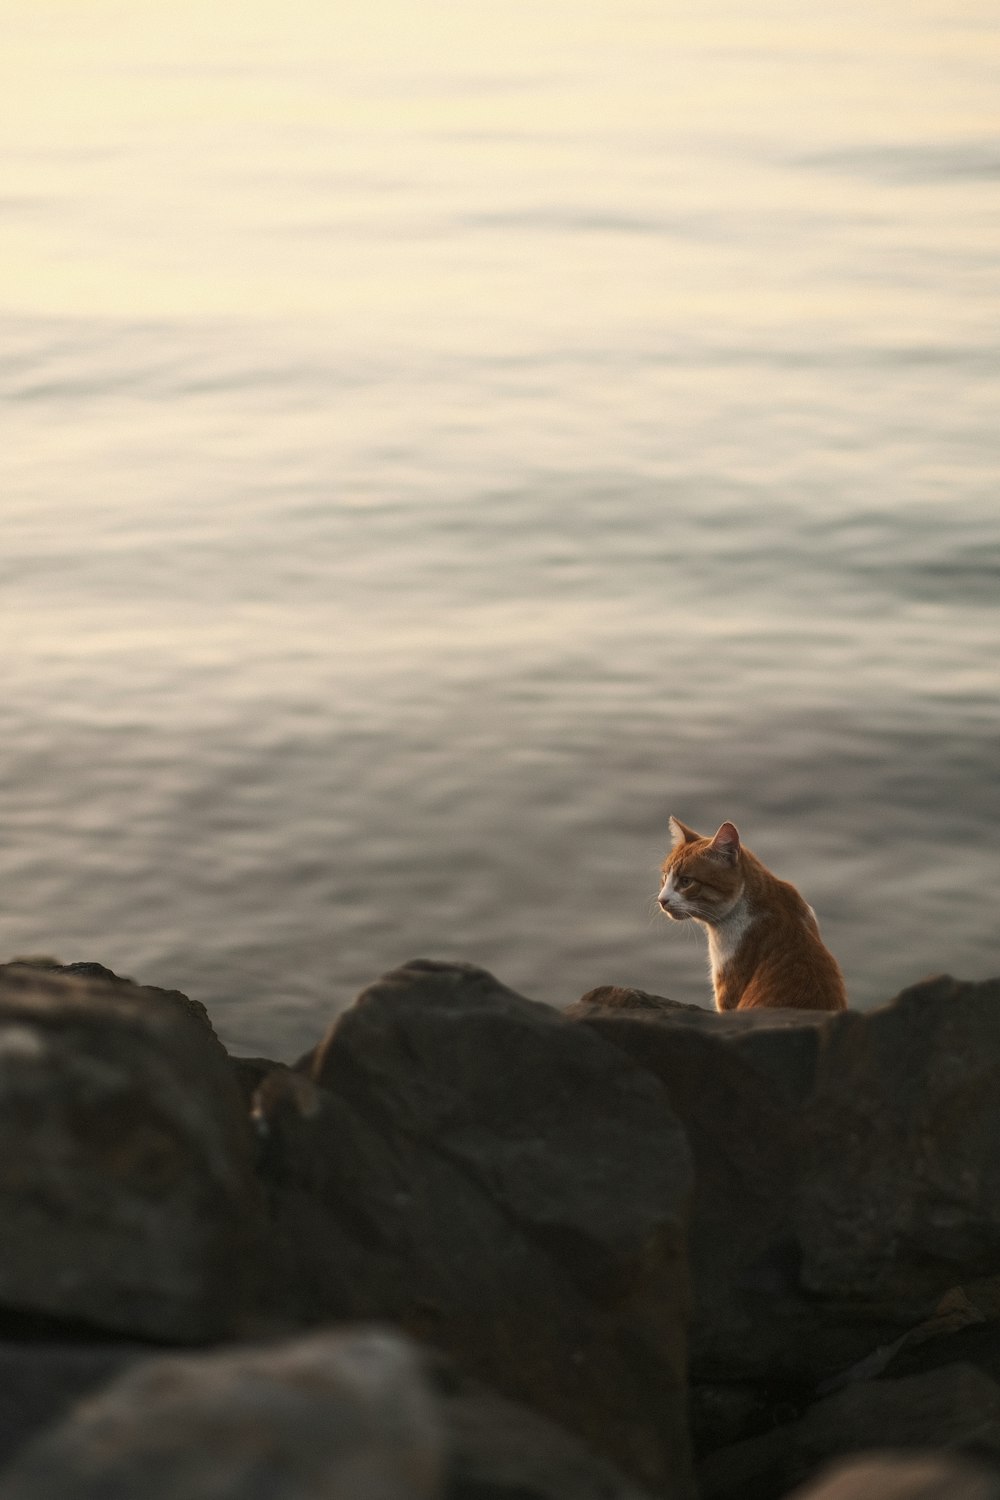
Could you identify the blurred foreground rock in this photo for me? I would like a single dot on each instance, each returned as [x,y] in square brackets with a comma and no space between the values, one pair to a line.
[345,1414]
[465,1163]
[558,1250]
[42,1379]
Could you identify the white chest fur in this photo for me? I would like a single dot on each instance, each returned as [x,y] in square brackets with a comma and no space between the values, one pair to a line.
[725,938]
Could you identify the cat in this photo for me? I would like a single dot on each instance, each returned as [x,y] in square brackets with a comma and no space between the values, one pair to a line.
[763,939]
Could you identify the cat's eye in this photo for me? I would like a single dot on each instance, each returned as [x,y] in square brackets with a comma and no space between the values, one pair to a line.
[683,881]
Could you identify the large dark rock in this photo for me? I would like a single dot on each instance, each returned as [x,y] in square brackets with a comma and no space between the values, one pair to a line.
[900,1193]
[336,1414]
[738,1082]
[955,1408]
[505,1186]
[846,1168]
[127,1194]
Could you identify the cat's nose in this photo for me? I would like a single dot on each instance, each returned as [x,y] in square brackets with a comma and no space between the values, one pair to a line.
[664,900]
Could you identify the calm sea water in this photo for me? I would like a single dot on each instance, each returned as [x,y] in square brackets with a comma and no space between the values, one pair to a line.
[442,440]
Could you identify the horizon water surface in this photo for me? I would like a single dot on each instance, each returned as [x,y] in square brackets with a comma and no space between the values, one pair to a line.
[439,446]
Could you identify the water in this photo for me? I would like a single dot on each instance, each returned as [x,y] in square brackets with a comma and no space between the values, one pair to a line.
[443,441]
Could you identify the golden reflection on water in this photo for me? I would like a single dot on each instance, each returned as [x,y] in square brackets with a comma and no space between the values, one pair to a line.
[474,173]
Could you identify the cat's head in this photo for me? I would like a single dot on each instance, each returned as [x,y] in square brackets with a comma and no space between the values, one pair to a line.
[702,878]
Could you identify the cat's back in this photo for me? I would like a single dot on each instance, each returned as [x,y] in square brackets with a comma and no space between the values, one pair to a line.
[787,964]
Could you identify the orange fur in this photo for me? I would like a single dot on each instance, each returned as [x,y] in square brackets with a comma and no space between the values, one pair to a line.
[763,939]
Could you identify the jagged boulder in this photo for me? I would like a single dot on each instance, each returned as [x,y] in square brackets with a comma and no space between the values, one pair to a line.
[127,1193]
[507,1187]
[345,1414]
[899,1196]
[846,1168]
[738,1082]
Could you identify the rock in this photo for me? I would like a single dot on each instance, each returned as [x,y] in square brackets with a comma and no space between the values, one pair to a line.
[498,1450]
[846,1168]
[127,1193]
[738,1082]
[954,1333]
[900,1195]
[249,1073]
[977,1345]
[333,1414]
[39,1382]
[479,1444]
[956,1407]
[618,997]
[891,1476]
[505,1186]
[725,1413]
[88,970]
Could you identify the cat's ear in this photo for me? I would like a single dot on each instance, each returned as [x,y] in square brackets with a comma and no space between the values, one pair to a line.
[726,844]
[680,834]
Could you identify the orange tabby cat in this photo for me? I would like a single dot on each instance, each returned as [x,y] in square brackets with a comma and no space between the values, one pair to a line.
[763,940]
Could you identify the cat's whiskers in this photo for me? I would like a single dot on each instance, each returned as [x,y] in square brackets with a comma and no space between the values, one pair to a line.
[691,933]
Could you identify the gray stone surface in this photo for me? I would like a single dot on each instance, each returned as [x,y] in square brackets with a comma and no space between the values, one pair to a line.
[85,969]
[127,1194]
[505,1186]
[332,1415]
[900,1191]
[738,1083]
[846,1167]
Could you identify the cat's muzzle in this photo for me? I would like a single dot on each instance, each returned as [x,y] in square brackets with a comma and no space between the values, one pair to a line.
[669,911]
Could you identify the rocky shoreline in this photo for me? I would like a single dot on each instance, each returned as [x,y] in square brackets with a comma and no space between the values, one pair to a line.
[471,1248]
